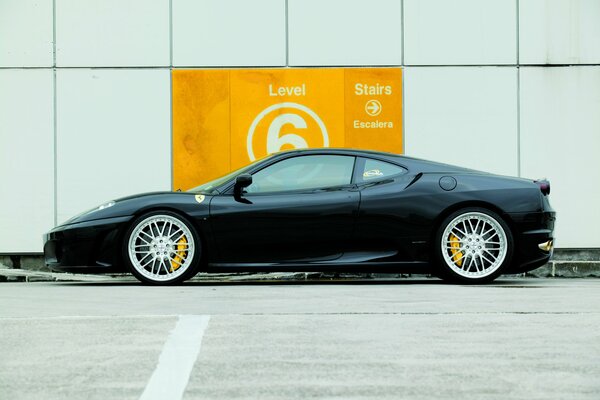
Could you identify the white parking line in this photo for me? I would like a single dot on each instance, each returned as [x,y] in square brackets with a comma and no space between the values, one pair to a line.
[171,376]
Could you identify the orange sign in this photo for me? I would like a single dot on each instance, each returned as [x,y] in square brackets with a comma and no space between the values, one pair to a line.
[225,119]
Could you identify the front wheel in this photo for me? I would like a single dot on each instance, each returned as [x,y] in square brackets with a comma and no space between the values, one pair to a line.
[473,245]
[161,248]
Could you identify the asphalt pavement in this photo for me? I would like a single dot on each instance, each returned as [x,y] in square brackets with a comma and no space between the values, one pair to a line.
[401,339]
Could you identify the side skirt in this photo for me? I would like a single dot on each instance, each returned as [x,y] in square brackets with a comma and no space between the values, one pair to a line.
[383,267]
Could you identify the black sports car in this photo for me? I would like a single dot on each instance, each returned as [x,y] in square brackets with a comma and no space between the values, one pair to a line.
[319,210]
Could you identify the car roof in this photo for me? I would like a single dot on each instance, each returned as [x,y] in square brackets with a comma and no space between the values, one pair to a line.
[411,162]
[339,150]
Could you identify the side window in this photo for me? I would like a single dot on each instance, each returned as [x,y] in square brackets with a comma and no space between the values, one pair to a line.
[375,169]
[303,172]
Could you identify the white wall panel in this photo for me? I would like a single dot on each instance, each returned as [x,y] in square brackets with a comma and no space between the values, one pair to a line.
[465,116]
[559,31]
[26,33]
[113,136]
[442,32]
[114,33]
[229,33]
[343,32]
[26,159]
[560,140]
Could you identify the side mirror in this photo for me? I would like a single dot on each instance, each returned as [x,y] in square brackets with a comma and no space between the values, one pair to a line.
[241,181]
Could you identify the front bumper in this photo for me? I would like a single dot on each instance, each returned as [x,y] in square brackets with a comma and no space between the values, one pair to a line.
[90,246]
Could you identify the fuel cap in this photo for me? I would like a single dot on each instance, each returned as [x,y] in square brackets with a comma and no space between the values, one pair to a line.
[447,183]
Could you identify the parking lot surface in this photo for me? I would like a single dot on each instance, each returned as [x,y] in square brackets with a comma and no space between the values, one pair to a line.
[413,339]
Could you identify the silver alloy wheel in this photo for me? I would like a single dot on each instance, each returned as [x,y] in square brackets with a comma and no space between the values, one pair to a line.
[474,245]
[161,248]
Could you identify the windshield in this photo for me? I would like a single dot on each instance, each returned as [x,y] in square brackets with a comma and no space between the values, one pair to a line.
[209,187]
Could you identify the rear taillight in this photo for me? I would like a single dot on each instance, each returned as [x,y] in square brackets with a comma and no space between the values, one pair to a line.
[544,185]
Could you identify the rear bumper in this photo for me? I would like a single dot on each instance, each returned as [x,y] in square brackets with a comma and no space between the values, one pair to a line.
[91,246]
[533,230]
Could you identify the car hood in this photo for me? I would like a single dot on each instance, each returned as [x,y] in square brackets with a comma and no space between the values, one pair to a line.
[140,203]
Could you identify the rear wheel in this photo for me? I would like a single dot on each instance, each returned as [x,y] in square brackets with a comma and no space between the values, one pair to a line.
[473,245]
[162,248]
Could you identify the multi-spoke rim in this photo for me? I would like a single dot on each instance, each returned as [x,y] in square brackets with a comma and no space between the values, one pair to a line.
[474,245]
[161,248]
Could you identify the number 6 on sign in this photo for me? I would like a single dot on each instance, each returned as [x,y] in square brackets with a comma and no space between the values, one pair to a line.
[274,140]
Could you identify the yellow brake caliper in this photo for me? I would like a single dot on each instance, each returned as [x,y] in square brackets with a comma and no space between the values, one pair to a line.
[179,254]
[455,249]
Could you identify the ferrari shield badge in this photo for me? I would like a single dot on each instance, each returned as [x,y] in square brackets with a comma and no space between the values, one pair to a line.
[200,198]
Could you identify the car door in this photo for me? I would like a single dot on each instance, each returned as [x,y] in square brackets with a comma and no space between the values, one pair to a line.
[299,209]
[387,222]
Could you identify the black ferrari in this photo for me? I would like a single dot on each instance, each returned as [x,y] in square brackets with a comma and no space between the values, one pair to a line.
[319,210]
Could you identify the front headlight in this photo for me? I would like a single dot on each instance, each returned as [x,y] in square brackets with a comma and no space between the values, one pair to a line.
[78,217]
[104,206]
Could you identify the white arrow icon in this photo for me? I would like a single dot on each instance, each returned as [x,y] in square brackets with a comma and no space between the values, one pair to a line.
[373,108]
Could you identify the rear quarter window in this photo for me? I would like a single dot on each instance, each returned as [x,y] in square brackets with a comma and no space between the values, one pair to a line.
[371,170]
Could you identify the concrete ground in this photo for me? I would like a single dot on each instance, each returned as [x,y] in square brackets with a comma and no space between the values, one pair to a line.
[413,339]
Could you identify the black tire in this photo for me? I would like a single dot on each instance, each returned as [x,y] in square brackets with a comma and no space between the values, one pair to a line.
[180,273]
[474,250]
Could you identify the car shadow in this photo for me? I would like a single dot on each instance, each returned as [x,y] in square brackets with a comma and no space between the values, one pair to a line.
[508,282]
